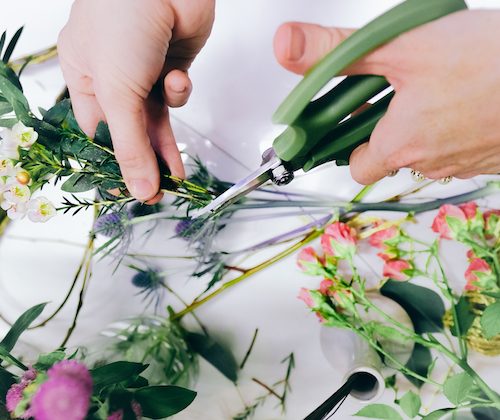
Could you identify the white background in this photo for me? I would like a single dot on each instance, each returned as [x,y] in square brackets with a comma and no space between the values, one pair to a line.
[237,86]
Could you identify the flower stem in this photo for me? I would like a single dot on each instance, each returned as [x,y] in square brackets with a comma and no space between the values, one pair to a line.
[310,237]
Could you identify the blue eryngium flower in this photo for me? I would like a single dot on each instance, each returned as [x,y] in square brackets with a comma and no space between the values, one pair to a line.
[151,285]
[110,224]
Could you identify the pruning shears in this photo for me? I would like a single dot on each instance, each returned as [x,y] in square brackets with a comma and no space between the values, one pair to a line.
[321,130]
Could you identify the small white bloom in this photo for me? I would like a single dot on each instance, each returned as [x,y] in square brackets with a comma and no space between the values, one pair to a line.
[6,167]
[24,136]
[40,209]
[17,193]
[3,187]
[15,211]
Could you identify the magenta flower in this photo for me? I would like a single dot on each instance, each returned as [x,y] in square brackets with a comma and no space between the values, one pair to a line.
[478,273]
[379,238]
[441,223]
[15,394]
[397,269]
[72,369]
[305,296]
[116,415]
[61,397]
[339,240]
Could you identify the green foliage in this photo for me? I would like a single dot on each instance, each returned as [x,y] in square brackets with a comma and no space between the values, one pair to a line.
[485,413]
[21,324]
[46,361]
[420,363]
[12,44]
[379,411]
[424,306]
[114,373]
[215,354]
[465,316]
[158,402]
[490,320]
[457,388]
[410,403]
[80,182]
[436,415]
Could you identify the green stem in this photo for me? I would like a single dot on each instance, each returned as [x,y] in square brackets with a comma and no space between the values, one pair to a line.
[197,303]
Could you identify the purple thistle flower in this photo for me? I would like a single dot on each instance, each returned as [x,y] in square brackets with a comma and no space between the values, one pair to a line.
[72,369]
[61,398]
[186,228]
[110,224]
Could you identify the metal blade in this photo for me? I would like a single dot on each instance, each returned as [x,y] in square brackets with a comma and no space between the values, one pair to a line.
[242,188]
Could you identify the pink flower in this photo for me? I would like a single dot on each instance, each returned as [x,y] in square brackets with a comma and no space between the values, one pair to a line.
[379,238]
[344,298]
[440,224]
[116,415]
[339,240]
[389,254]
[309,262]
[471,255]
[15,394]
[469,209]
[397,269]
[305,296]
[477,268]
[325,286]
[61,398]
[72,369]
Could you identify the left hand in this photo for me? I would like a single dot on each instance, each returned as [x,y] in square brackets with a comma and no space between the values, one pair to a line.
[443,120]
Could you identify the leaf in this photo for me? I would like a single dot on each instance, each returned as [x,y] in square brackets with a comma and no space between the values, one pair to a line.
[46,361]
[14,96]
[490,320]
[379,411]
[12,44]
[57,114]
[410,404]
[465,316]
[424,306]
[115,373]
[457,387]
[158,402]
[6,380]
[102,135]
[21,324]
[222,359]
[2,41]
[420,362]
[436,415]
[78,182]
[486,413]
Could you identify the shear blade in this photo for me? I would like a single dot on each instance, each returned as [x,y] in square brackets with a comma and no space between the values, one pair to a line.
[241,188]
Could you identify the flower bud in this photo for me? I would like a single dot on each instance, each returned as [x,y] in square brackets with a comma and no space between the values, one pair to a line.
[23,177]
[339,240]
[450,221]
[309,262]
[400,270]
[479,275]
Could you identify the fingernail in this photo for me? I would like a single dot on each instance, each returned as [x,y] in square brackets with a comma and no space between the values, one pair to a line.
[141,189]
[178,86]
[297,44]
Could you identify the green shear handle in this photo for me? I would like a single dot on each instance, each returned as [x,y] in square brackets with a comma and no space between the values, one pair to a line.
[315,132]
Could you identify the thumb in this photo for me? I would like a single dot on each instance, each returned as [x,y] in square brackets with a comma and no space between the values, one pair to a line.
[298,46]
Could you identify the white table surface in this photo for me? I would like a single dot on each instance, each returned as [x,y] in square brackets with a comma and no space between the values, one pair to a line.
[237,85]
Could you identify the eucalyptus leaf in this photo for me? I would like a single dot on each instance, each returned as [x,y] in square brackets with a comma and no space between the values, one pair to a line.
[465,316]
[490,320]
[379,411]
[115,373]
[46,361]
[486,413]
[219,357]
[79,182]
[158,402]
[424,306]
[14,96]
[420,362]
[457,387]
[410,403]
[11,45]
[21,324]
[102,135]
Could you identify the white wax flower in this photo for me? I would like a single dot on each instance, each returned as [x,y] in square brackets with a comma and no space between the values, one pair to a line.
[15,211]
[19,135]
[6,166]
[16,193]
[40,209]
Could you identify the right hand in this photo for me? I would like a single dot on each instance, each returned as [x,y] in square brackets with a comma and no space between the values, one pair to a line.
[113,53]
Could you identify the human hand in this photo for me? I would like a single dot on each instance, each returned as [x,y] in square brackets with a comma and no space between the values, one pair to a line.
[443,120]
[125,62]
